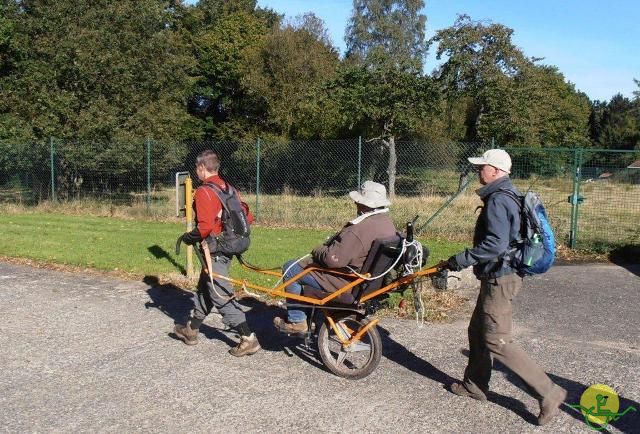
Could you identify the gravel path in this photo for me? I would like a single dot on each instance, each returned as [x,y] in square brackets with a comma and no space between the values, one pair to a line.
[86,353]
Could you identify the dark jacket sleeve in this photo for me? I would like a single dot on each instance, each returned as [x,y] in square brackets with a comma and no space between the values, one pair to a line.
[498,221]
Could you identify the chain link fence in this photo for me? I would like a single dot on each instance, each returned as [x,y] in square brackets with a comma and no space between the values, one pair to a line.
[592,196]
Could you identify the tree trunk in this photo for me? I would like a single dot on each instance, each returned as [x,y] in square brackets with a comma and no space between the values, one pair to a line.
[391,167]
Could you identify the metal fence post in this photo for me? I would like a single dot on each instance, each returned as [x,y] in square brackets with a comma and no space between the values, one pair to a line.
[359,161]
[148,146]
[257,177]
[577,169]
[53,172]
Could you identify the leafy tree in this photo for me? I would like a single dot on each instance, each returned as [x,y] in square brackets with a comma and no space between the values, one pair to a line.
[535,108]
[295,60]
[480,60]
[224,35]
[382,89]
[620,126]
[104,71]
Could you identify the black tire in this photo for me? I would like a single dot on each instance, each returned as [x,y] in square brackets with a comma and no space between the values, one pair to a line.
[350,364]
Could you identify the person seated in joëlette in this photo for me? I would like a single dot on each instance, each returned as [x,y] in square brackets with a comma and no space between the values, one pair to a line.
[347,248]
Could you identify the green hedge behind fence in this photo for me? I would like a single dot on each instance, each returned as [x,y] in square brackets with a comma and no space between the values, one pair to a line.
[592,196]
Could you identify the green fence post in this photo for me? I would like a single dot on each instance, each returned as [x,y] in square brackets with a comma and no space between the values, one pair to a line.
[577,169]
[359,161]
[53,172]
[257,177]
[148,146]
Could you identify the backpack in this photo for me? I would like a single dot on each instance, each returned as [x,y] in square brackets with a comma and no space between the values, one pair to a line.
[234,238]
[535,251]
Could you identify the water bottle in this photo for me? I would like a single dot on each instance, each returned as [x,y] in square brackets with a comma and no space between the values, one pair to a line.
[533,251]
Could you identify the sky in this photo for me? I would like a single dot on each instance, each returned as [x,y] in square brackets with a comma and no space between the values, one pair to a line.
[595,44]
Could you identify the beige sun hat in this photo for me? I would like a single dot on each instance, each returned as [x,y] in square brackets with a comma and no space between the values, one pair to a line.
[372,195]
[494,157]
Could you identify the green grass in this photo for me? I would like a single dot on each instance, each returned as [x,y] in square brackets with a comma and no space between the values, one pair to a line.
[147,247]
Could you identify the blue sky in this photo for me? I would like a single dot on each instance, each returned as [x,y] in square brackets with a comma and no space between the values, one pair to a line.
[595,44]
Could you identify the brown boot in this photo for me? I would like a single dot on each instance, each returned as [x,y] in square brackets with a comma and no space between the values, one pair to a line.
[550,406]
[248,345]
[187,332]
[290,327]
[461,390]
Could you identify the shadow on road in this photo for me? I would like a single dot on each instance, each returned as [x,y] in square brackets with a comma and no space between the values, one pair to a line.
[627,257]
[626,424]
[177,303]
[396,352]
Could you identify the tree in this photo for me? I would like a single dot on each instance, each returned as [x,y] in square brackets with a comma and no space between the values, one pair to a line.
[536,108]
[224,35]
[620,124]
[104,71]
[480,60]
[382,89]
[295,60]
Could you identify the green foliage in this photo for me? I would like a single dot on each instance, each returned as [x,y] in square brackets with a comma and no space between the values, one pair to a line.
[295,60]
[102,77]
[100,71]
[143,247]
[618,126]
[503,94]
[387,34]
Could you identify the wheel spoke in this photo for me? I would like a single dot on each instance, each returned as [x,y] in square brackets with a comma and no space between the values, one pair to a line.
[341,356]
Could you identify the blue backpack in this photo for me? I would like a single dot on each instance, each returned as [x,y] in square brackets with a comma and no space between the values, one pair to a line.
[535,251]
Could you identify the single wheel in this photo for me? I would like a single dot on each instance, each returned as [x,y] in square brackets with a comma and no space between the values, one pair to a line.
[354,361]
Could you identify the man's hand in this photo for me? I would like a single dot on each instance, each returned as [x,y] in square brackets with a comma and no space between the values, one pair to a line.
[191,238]
[442,265]
[452,264]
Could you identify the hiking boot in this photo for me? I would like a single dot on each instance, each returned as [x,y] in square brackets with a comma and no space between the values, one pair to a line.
[186,333]
[290,327]
[248,345]
[461,390]
[550,406]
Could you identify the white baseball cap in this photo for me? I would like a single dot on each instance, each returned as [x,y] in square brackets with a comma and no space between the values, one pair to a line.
[372,195]
[494,157]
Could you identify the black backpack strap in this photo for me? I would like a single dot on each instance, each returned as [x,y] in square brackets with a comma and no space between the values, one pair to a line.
[219,191]
[513,195]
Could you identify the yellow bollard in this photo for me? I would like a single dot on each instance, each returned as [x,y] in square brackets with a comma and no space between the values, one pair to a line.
[188,187]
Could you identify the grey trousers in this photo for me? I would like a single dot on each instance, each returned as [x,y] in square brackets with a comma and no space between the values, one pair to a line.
[490,336]
[208,297]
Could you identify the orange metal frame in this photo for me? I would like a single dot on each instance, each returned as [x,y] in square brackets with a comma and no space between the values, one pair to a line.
[352,336]
[279,291]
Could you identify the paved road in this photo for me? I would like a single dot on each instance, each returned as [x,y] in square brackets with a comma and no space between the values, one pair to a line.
[87,353]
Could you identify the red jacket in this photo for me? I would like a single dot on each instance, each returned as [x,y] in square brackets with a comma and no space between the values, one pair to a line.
[209,208]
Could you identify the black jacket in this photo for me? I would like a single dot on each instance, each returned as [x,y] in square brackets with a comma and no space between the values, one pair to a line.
[497,228]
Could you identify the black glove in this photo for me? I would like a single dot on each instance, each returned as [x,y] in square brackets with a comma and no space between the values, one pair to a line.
[452,264]
[191,238]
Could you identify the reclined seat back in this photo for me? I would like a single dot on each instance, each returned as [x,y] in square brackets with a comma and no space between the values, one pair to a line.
[381,256]
[383,253]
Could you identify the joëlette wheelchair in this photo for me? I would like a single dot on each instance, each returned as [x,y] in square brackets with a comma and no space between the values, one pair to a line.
[339,322]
